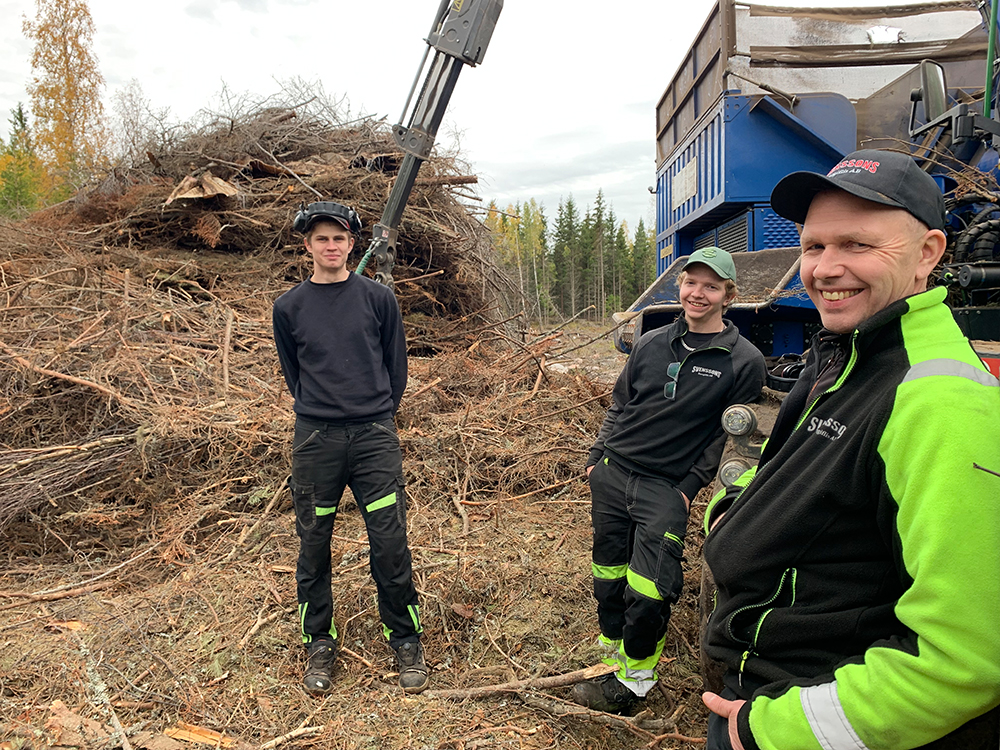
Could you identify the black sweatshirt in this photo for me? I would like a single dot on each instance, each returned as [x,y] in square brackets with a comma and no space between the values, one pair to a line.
[342,349]
[682,438]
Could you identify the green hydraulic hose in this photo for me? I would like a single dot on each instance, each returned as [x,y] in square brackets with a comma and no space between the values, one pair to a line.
[991,50]
[367,256]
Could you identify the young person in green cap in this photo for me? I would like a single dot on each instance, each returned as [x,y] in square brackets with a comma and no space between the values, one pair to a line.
[660,443]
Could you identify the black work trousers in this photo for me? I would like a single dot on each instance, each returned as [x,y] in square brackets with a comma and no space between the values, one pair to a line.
[366,457]
[639,525]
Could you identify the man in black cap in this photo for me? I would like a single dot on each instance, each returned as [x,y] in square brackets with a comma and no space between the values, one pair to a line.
[858,565]
[660,443]
[340,340]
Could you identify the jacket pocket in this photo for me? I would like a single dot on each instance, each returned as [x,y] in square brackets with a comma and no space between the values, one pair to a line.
[747,623]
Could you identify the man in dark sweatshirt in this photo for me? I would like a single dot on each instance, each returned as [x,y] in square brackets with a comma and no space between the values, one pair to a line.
[660,443]
[340,340]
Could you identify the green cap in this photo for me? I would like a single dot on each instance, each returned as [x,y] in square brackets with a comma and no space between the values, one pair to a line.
[715,258]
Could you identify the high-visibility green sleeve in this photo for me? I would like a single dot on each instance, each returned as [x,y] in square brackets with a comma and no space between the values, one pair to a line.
[725,497]
[938,452]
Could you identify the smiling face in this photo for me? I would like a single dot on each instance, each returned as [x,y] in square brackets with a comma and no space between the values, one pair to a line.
[859,257]
[703,298]
[329,244]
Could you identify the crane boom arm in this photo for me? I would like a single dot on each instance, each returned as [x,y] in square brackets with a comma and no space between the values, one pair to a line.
[459,36]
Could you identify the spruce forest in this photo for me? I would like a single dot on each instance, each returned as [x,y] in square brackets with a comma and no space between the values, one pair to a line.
[587,263]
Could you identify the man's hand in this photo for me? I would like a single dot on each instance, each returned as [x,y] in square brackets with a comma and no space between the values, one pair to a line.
[589,469]
[715,522]
[687,503]
[727,710]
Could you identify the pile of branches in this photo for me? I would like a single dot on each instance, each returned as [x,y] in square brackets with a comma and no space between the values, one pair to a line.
[146,429]
[233,183]
[133,379]
[144,454]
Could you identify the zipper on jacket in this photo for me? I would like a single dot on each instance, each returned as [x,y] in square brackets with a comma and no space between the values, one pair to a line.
[688,355]
[836,386]
[752,645]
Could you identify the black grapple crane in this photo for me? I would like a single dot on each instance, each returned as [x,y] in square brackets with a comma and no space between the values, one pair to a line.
[459,36]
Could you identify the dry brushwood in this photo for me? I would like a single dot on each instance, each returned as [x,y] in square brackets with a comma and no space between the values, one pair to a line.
[244,176]
[144,455]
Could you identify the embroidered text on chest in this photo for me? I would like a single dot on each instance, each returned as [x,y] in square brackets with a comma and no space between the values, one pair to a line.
[828,428]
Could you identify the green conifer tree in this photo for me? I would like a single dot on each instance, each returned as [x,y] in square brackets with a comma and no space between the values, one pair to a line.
[22,177]
[643,259]
[565,270]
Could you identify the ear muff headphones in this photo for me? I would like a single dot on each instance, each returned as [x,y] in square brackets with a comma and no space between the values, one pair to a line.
[326,211]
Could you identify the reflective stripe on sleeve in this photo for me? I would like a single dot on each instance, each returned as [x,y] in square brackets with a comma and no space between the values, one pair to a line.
[827,719]
[951,367]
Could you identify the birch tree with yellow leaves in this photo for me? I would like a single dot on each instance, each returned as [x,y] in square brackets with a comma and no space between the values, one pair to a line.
[65,91]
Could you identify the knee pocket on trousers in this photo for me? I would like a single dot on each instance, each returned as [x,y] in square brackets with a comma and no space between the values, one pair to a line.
[669,573]
[401,500]
[377,512]
[312,504]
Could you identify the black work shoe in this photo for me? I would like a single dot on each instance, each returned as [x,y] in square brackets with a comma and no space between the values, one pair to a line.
[606,693]
[322,654]
[412,667]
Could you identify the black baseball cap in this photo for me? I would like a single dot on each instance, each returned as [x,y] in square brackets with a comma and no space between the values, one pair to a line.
[886,177]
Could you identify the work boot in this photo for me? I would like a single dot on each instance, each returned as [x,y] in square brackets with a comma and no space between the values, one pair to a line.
[321,655]
[606,693]
[412,667]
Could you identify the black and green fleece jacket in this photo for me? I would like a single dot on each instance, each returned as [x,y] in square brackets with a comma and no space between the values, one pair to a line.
[858,570]
[680,438]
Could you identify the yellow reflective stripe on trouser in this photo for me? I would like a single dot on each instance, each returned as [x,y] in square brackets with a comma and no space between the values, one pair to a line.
[302,624]
[639,675]
[608,643]
[643,585]
[414,610]
[382,502]
[326,511]
[608,572]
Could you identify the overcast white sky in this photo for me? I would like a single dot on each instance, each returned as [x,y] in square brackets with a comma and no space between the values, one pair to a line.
[562,105]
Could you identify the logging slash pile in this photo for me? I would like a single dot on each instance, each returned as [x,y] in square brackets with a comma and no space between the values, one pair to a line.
[147,576]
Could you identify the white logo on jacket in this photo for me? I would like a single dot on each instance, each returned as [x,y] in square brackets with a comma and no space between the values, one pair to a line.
[831,429]
[705,372]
